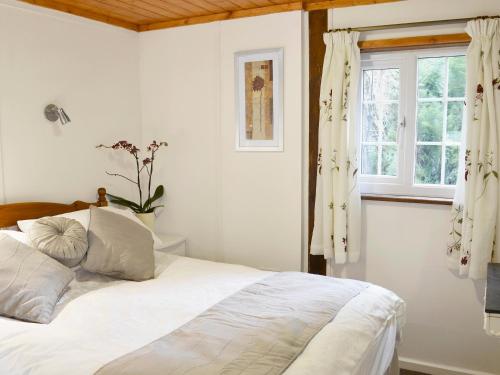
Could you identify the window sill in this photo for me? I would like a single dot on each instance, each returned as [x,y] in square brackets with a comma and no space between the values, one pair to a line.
[406,199]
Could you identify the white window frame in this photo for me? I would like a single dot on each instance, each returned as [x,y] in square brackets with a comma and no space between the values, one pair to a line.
[403,185]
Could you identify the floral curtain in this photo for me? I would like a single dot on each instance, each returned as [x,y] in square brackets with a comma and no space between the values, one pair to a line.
[336,233]
[475,207]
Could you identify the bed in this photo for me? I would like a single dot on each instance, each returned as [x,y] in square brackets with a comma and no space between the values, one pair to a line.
[100,319]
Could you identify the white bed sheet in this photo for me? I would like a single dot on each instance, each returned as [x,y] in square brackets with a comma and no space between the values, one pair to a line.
[100,319]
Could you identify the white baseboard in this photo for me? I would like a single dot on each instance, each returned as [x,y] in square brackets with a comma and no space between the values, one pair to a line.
[436,369]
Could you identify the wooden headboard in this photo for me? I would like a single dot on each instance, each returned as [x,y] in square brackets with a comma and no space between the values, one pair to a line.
[11,213]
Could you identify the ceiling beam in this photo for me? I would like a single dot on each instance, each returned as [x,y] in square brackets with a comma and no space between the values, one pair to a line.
[306,5]
[280,8]
[52,4]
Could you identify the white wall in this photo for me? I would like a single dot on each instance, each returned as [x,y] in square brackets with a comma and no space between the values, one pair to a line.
[180,101]
[405,244]
[412,11]
[261,192]
[404,249]
[88,68]
[233,206]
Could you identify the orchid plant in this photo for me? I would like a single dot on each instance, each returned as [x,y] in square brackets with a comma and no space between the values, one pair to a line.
[144,206]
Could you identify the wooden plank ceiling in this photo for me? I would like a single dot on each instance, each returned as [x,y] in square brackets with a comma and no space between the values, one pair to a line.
[144,15]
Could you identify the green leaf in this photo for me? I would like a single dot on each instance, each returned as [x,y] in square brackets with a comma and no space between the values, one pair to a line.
[119,202]
[123,202]
[495,173]
[160,190]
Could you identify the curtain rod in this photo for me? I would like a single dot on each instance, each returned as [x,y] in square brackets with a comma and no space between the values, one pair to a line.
[411,24]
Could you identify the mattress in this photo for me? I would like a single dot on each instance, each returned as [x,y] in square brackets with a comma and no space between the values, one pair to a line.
[100,319]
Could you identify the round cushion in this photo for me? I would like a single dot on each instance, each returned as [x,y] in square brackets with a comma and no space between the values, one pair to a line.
[61,238]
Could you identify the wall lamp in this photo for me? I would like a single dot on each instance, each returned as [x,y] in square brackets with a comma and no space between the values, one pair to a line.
[54,113]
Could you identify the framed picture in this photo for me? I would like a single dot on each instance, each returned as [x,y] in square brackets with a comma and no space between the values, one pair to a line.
[259,100]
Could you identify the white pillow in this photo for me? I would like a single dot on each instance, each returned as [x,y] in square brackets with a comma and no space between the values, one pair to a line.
[82,216]
[18,236]
[157,244]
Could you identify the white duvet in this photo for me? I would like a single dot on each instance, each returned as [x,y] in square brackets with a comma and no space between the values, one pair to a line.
[100,319]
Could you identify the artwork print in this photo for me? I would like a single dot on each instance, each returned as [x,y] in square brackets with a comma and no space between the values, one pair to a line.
[259,100]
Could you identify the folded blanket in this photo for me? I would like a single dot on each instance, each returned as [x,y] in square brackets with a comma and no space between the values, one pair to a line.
[261,329]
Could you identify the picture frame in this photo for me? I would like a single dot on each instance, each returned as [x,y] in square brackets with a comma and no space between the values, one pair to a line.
[259,100]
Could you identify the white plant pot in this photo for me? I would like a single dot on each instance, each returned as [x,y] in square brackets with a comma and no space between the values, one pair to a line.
[148,220]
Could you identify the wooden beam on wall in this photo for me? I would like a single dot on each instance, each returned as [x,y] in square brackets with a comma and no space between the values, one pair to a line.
[330,4]
[427,41]
[318,24]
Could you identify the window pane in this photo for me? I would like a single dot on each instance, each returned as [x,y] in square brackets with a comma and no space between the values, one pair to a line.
[428,164]
[368,85]
[390,122]
[370,122]
[389,160]
[456,77]
[430,121]
[451,166]
[381,84]
[380,121]
[369,160]
[380,117]
[431,77]
[454,121]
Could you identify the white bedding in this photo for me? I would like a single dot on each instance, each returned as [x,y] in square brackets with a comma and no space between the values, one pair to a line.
[100,319]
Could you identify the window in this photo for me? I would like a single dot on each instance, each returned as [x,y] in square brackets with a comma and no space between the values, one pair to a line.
[411,119]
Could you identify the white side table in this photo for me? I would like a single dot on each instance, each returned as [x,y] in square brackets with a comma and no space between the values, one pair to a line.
[173,243]
[492,324]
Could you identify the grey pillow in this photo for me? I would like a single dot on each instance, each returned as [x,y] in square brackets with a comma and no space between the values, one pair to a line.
[31,282]
[119,247]
[61,238]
